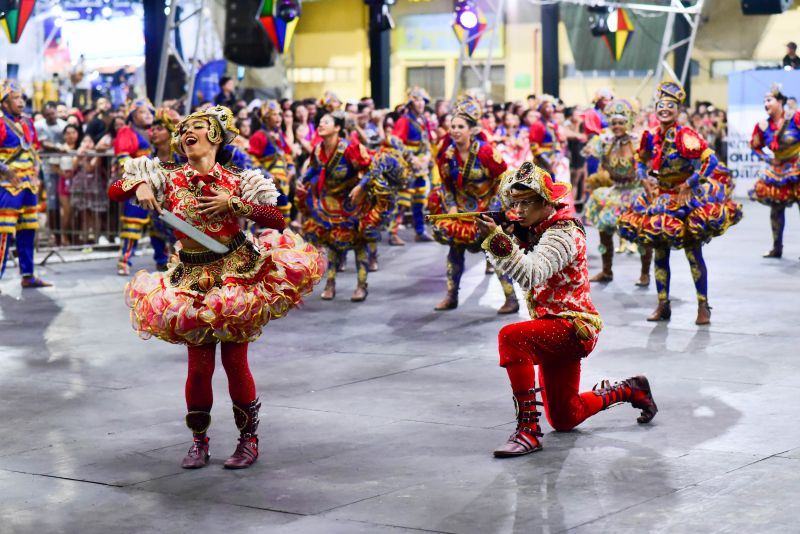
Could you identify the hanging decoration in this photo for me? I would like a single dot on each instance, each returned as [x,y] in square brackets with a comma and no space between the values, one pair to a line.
[16,17]
[279,18]
[620,31]
[470,34]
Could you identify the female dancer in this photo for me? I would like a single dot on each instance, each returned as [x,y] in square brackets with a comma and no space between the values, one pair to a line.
[333,196]
[545,136]
[779,187]
[616,152]
[470,169]
[272,153]
[550,265]
[210,297]
[686,205]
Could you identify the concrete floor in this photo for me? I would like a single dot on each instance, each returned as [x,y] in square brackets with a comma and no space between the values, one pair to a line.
[381,416]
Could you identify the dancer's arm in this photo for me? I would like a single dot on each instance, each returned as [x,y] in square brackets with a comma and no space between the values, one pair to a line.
[556,249]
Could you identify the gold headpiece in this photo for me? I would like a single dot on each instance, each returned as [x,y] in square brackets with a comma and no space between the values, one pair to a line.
[418,92]
[535,181]
[133,105]
[620,108]
[469,108]
[221,129]
[776,91]
[8,87]
[670,91]
[329,100]
[270,106]
[603,92]
[546,99]
[168,118]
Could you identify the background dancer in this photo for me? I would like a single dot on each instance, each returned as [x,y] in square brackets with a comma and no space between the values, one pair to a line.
[615,149]
[684,206]
[470,168]
[415,132]
[19,184]
[779,185]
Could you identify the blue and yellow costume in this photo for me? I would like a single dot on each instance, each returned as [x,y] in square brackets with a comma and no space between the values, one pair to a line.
[19,204]
[690,205]
[274,158]
[415,133]
[132,142]
[615,186]
[779,186]
[467,186]
[595,121]
[545,139]
[332,220]
[394,147]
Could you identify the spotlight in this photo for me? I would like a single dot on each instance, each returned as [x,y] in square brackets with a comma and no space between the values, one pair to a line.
[598,20]
[288,10]
[466,14]
[106,12]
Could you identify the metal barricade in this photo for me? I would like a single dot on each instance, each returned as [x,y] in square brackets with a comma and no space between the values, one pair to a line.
[75,211]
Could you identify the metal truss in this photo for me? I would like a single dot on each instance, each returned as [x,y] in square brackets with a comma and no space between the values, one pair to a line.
[168,49]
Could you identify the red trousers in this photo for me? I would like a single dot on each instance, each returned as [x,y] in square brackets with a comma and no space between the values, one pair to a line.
[551,344]
[242,388]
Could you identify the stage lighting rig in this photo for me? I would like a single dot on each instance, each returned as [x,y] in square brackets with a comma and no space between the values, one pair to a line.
[598,20]
[466,14]
[288,10]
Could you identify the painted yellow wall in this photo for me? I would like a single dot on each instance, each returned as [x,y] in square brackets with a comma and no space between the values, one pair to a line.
[331,45]
[331,40]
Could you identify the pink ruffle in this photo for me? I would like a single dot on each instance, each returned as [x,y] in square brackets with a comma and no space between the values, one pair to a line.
[239,309]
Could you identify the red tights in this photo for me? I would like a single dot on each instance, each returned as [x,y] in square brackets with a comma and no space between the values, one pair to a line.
[241,386]
[552,345]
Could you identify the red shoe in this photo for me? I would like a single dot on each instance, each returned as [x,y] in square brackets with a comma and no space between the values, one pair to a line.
[198,455]
[246,453]
[525,439]
[635,390]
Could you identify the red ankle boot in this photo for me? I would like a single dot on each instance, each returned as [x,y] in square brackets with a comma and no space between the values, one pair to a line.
[525,438]
[635,390]
[246,453]
[198,455]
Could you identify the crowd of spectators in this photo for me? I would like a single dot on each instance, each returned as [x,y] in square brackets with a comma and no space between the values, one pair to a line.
[77,144]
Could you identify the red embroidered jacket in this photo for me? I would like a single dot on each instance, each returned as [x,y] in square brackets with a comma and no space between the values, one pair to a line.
[552,269]
[181,187]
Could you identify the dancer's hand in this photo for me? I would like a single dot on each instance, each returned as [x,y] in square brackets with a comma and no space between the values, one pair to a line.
[650,188]
[146,198]
[215,205]
[684,193]
[485,225]
[357,194]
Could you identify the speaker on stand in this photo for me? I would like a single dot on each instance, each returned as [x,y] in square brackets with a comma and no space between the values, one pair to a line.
[246,41]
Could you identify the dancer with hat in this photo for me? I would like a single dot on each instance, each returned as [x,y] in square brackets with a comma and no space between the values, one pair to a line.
[133,141]
[545,136]
[226,287]
[615,185]
[548,260]
[272,154]
[415,132]
[686,201]
[19,183]
[470,168]
[333,196]
[777,142]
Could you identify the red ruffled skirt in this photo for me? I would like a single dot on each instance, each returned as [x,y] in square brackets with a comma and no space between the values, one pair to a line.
[230,299]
